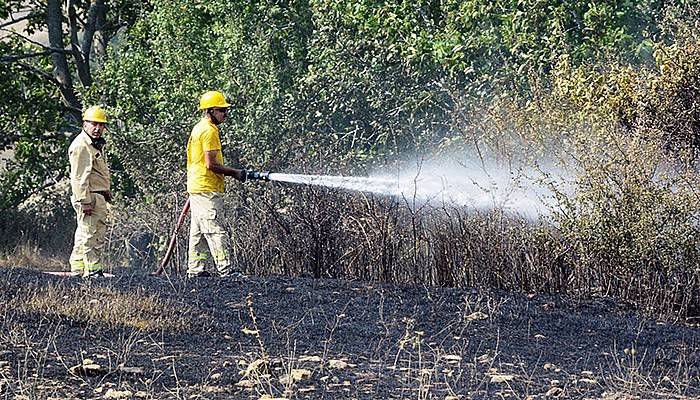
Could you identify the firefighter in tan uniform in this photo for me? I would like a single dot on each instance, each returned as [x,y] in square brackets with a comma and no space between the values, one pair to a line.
[90,192]
[205,185]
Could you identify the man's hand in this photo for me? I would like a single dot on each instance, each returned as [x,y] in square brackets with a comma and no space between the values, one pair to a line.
[240,174]
[87,209]
[258,175]
[108,196]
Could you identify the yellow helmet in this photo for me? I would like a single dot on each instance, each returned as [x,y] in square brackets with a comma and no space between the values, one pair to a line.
[211,99]
[95,114]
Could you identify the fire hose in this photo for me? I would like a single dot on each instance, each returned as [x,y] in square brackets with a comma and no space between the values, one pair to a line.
[249,175]
[173,239]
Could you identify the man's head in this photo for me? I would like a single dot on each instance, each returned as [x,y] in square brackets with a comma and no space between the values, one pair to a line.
[214,105]
[94,121]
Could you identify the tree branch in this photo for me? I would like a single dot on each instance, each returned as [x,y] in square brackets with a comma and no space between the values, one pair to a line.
[100,38]
[82,60]
[25,17]
[34,42]
[39,72]
[89,30]
[15,57]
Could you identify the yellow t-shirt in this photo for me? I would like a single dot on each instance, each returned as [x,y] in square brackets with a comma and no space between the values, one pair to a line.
[200,179]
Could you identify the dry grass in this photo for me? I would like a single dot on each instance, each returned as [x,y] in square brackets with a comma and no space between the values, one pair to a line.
[30,256]
[101,306]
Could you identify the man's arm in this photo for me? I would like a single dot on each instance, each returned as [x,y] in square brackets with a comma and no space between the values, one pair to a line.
[213,165]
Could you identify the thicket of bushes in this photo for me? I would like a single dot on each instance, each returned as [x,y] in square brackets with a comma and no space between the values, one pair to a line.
[625,224]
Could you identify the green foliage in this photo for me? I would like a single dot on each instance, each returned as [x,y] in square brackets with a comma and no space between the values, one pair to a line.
[29,119]
[658,99]
[181,50]
[349,81]
[499,40]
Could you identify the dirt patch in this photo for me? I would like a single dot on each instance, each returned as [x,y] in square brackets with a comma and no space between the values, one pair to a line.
[304,338]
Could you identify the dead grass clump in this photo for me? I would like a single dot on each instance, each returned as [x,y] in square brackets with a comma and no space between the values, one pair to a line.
[103,306]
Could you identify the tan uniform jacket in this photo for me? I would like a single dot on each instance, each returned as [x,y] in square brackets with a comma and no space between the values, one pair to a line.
[88,169]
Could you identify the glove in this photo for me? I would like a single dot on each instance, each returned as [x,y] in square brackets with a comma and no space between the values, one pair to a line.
[258,176]
[243,176]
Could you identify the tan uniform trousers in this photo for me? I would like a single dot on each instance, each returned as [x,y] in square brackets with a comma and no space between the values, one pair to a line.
[89,237]
[206,230]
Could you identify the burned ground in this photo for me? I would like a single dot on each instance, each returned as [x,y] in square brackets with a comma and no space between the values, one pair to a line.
[330,339]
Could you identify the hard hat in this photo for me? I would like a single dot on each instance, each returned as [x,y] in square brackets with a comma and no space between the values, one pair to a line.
[95,114]
[211,99]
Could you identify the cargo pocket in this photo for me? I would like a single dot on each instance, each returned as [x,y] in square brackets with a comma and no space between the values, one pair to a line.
[208,223]
[91,226]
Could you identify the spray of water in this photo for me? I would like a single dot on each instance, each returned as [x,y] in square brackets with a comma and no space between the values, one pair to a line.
[460,185]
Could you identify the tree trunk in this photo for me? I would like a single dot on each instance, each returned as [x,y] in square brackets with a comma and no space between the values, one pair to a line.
[60,66]
[100,40]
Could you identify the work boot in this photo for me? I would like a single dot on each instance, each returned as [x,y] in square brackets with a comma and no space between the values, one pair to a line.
[235,276]
[203,274]
[94,275]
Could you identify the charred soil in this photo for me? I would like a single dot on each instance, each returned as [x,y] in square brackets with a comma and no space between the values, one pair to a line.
[300,338]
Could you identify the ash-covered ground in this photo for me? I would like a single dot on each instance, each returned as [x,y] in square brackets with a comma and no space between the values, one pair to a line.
[300,338]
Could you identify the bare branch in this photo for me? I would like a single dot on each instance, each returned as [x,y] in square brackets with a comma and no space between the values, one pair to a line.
[15,57]
[34,42]
[14,20]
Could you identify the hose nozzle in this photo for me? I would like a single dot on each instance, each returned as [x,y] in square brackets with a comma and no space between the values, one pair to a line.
[258,175]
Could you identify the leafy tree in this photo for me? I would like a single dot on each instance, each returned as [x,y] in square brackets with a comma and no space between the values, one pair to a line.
[340,81]
[346,81]
[50,51]
[253,52]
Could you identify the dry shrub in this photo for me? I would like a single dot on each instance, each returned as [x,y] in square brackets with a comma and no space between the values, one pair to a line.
[45,222]
[101,306]
[633,227]
[326,233]
[629,216]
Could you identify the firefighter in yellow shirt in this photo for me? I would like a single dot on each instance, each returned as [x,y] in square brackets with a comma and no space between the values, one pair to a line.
[90,192]
[205,185]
